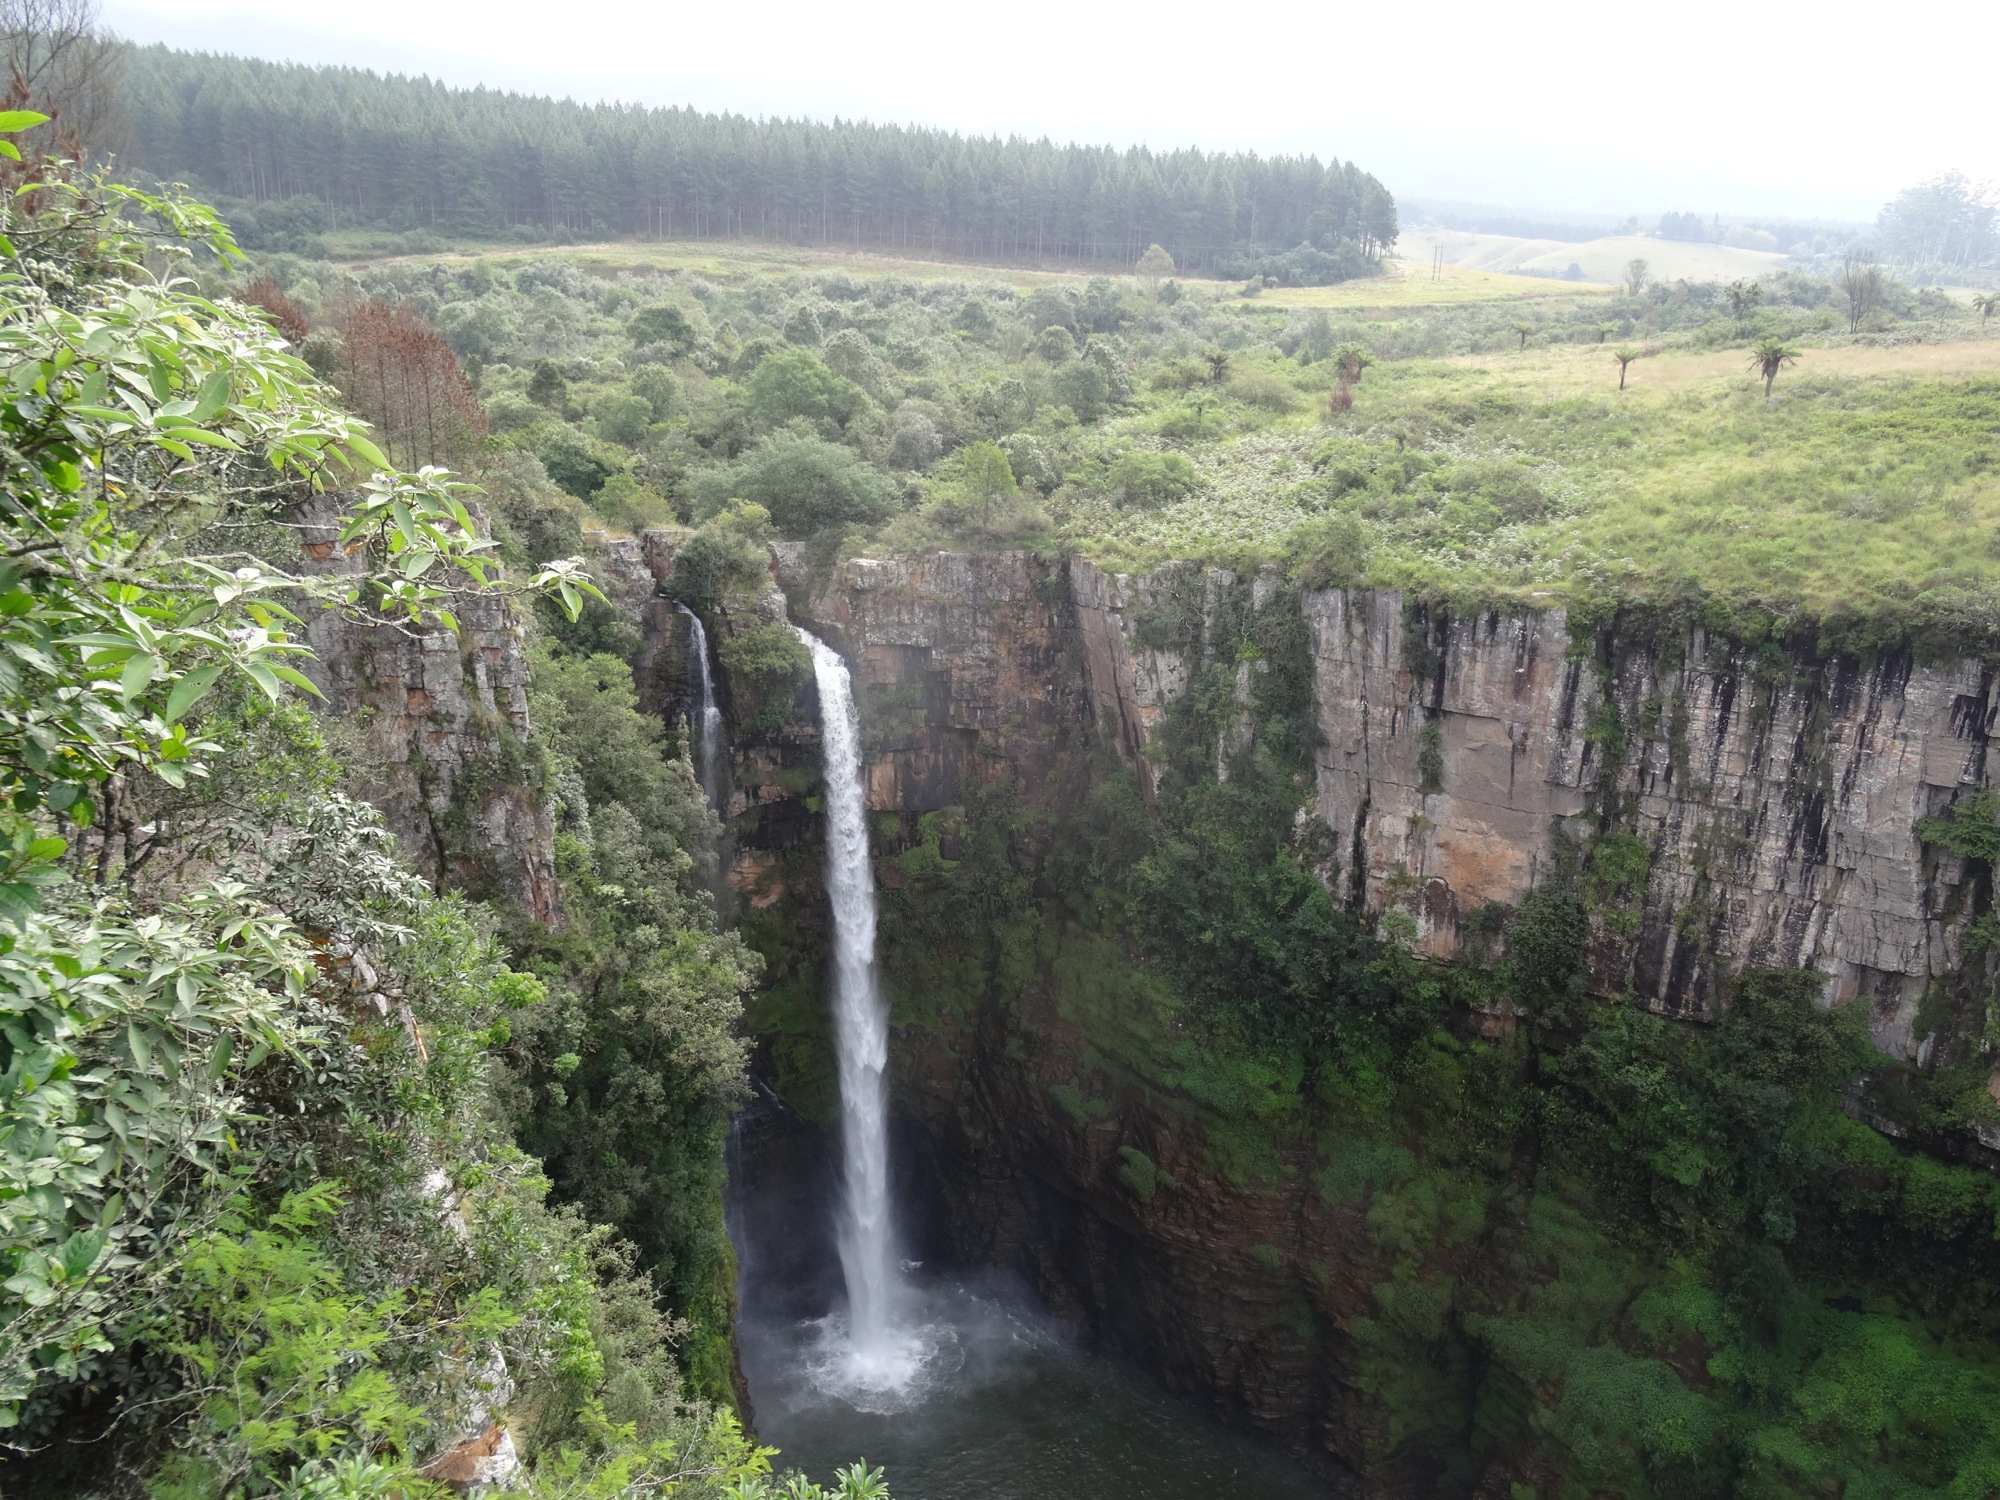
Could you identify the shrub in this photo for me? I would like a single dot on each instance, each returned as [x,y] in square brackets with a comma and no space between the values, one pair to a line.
[622,416]
[805,485]
[1145,480]
[791,383]
[571,460]
[662,323]
[660,388]
[766,664]
[510,411]
[1262,389]
[731,550]
[1083,387]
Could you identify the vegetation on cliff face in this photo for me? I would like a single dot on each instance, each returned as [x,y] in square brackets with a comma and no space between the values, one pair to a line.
[264,1228]
[1604,1252]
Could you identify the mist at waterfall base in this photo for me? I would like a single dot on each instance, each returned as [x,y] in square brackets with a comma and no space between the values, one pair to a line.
[958,1385]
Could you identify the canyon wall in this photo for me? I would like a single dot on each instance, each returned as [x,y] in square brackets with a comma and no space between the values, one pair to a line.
[1776,798]
[1758,809]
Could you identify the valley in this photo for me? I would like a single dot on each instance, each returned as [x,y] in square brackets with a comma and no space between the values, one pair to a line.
[699,804]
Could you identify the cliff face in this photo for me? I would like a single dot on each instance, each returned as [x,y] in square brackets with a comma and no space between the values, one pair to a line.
[439,723]
[1773,803]
[1757,811]
[1776,802]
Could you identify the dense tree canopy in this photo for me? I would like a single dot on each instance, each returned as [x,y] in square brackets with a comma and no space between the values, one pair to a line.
[318,149]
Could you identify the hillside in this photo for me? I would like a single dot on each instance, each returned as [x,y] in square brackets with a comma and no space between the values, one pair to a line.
[299,153]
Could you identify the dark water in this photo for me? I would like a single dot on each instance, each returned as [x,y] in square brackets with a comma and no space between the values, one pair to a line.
[1006,1407]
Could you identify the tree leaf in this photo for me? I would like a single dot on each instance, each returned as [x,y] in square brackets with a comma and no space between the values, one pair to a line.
[79,1253]
[366,450]
[214,396]
[138,674]
[190,690]
[297,679]
[265,678]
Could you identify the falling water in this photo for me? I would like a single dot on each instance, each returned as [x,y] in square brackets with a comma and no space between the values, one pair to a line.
[708,725]
[876,1355]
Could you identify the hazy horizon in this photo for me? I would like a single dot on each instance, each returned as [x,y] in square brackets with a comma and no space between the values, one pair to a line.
[1431,128]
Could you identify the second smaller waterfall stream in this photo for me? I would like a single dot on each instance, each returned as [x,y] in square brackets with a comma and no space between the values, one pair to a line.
[706,720]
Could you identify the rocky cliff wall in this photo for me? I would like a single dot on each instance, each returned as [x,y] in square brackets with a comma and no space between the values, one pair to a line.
[1727,808]
[1777,801]
[439,725]
[1767,803]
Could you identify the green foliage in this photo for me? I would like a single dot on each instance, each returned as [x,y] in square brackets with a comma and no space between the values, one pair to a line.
[1430,757]
[796,384]
[572,461]
[662,323]
[729,551]
[138,377]
[287,1365]
[765,664]
[548,387]
[124,1039]
[855,1482]
[1969,829]
[805,484]
[1137,1172]
[1140,478]
[259,1231]
[977,498]
[622,416]
[623,1082]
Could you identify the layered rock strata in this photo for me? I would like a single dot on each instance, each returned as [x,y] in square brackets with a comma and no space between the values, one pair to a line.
[1774,803]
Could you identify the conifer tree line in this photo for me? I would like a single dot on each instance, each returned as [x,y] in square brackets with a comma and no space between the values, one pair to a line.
[341,147]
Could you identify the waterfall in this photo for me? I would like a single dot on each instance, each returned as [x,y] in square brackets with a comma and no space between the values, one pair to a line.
[706,722]
[878,1354]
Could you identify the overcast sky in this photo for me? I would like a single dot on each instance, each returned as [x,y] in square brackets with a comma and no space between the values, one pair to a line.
[1704,105]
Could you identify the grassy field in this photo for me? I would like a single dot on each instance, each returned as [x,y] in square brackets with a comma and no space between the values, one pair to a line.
[1408,286]
[1552,374]
[1864,496]
[1405,284]
[728,260]
[1602,260]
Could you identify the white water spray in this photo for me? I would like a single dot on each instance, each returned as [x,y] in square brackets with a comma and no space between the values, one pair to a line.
[707,718]
[878,1359]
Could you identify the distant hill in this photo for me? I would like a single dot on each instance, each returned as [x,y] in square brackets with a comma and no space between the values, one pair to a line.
[297,152]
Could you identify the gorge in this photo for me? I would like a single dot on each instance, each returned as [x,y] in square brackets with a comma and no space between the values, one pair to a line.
[1261,1238]
[1179,864]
